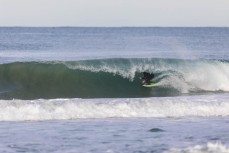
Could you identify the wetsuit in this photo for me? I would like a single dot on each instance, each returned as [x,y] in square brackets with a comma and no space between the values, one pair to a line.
[147,77]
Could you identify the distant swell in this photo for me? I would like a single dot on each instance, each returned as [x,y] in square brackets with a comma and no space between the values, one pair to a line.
[111,78]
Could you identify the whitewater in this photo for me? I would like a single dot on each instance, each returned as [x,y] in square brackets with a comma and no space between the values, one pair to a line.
[73,109]
[77,90]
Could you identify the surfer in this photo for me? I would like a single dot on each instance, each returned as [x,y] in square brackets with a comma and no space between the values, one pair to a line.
[147,77]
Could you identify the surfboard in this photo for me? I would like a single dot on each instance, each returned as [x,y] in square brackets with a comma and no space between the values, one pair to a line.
[150,85]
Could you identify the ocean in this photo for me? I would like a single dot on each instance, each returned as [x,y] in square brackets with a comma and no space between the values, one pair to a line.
[77,90]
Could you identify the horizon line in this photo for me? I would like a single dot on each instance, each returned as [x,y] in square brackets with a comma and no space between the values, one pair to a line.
[114,26]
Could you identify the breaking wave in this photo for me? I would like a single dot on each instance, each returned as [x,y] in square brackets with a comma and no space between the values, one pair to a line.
[208,148]
[111,78]
[155,107]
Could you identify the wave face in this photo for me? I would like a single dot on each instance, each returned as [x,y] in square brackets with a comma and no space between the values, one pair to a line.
[154,107]
[111,78]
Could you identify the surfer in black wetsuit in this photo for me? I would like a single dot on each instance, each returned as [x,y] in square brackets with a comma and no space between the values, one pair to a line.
[147,77]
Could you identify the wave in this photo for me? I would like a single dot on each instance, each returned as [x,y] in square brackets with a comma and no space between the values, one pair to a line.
[155,107]
[208,148]
[111,78]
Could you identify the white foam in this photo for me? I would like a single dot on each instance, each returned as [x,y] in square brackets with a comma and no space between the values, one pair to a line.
[198,75]
[210,76]
[208,148]
[57,109]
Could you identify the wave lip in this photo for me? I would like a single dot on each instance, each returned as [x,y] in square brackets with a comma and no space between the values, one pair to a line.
[65,109]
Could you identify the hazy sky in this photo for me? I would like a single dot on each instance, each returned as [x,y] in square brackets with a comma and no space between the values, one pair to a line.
[114,13]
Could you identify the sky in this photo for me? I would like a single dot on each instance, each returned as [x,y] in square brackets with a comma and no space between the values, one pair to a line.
[112,13]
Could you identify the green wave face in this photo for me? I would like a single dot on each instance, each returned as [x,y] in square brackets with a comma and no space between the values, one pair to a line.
[111,78]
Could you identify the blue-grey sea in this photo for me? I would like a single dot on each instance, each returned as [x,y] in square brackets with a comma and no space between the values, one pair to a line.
[77,90]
